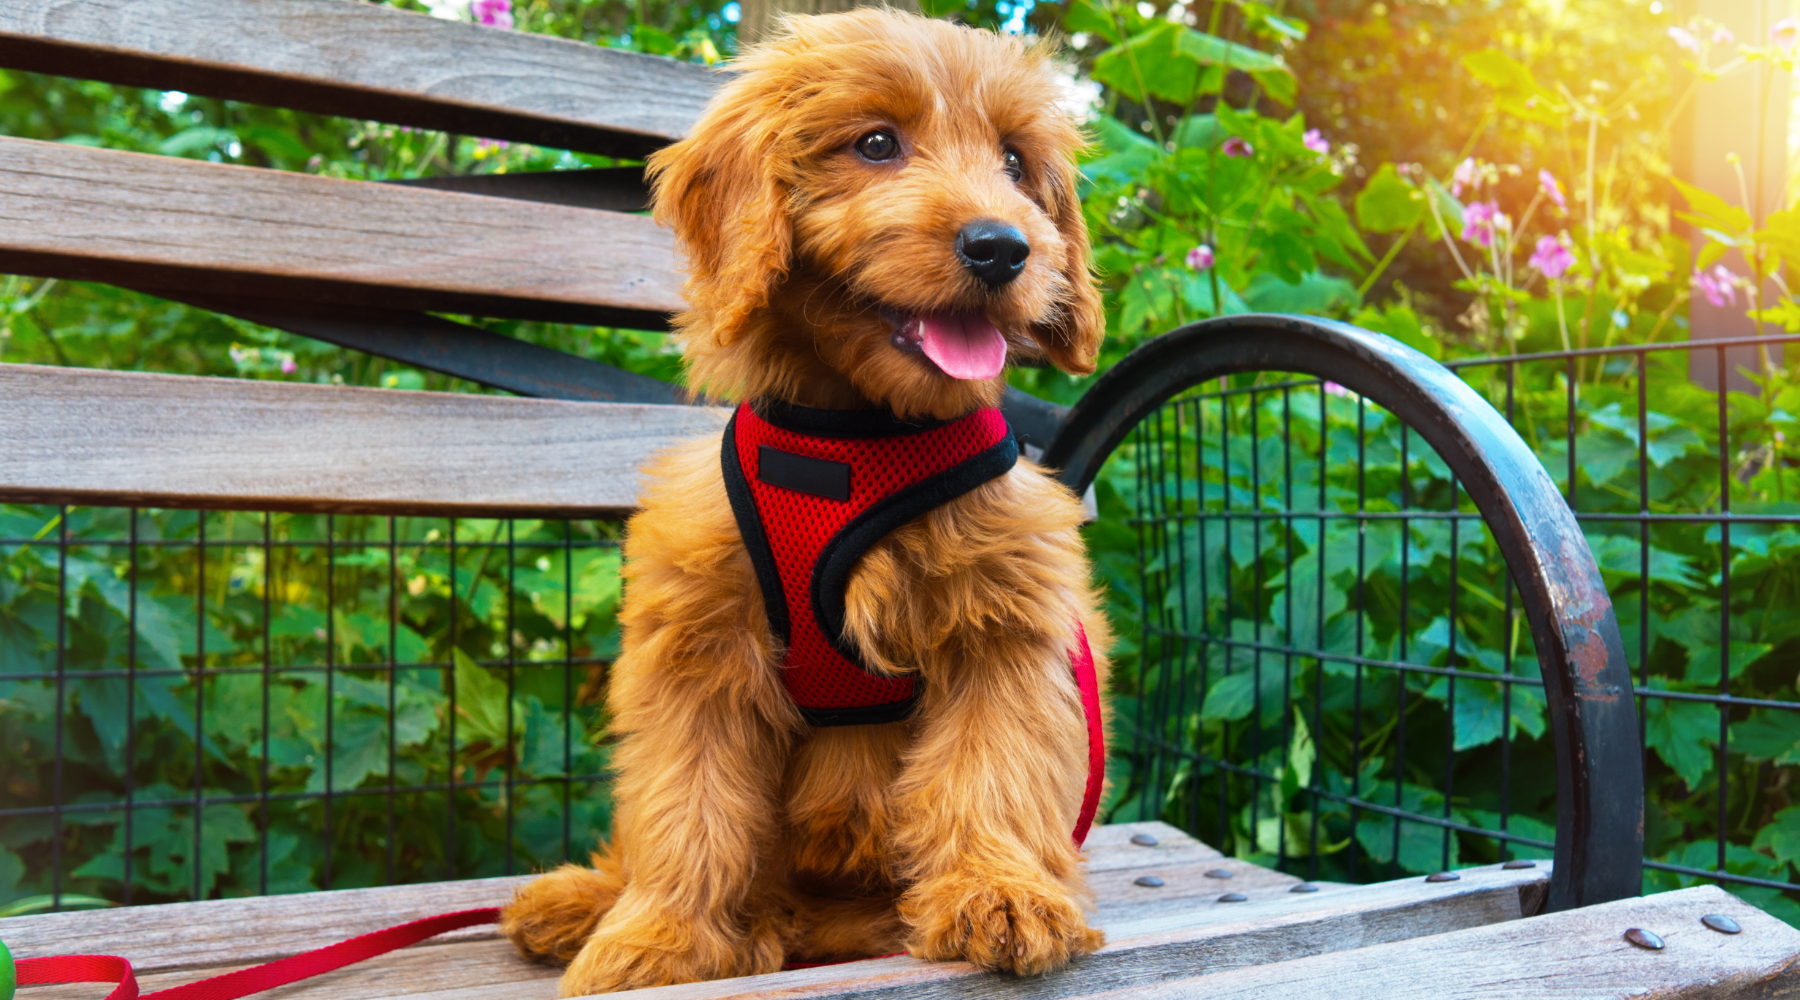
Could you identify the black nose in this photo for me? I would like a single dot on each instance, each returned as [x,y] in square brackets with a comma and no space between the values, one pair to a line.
[993,251]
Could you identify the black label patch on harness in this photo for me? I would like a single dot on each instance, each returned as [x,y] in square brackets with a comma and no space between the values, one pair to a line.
[819,477]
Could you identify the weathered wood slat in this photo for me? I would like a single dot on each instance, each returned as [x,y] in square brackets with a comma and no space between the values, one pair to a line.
[93,437]
[365,61]
[1274,926]
[156,222]
[180,942]
[431,965]
[1572,954]
[189,940]
[181,937]
[1109,848]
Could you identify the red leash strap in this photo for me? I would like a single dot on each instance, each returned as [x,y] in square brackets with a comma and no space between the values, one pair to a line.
[242,983]
[1086,678]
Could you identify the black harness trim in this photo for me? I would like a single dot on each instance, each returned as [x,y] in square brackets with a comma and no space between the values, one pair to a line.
[756,540]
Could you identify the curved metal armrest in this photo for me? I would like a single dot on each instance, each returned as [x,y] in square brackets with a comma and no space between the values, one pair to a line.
[1600,786]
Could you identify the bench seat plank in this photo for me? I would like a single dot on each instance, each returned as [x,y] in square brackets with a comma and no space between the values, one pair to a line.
[366,61]
[70,435]
[1274,925]
[1573,954]
[158,222]
[177,943]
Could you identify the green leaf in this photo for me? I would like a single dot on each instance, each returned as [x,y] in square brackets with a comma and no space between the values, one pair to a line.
[1152,58]
[196,141]
[1711,210]
[1083,15]
[480,702]
[1767,735]
[1196,132]
[1213,50]
[1279,84]
[1314,294]
[651,39]
[1500,71]
[1128,153]
[1421,844]
[1402,324]
[1230,698]
[1388,204]
[1681,733]
[1302,753]
[1781,837]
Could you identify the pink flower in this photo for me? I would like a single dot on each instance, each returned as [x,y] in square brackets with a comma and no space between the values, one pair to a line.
[1466,176]
[1200,258]
[494,13]
[1719,287]
[288,367]
[1235,146]
[1547,181]
[1723,36]
[1684,39]
[1480,220]
[1314,141]
[1786,32]
[1333,389]
[1552,258]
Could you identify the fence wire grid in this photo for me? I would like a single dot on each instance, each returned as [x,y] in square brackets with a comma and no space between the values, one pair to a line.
[1334,677]
[198,704]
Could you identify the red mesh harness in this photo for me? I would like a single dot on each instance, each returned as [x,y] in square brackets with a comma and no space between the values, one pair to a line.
[812,490]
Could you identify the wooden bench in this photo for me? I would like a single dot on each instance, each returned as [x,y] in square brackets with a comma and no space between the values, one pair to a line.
[1184,937]
[364,264]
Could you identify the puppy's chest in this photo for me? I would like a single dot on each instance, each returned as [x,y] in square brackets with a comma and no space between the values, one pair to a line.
[812,492]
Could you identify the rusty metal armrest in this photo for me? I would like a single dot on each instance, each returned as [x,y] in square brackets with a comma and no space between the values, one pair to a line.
[1599,789]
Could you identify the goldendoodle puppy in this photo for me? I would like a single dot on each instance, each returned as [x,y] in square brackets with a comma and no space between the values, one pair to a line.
[857,710]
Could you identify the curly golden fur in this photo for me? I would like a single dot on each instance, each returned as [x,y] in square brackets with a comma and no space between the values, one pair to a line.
[744,838]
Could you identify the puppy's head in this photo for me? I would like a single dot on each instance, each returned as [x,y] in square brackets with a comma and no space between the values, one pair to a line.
[880,208]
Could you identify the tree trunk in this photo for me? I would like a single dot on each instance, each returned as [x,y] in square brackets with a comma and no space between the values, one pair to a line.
[758,17]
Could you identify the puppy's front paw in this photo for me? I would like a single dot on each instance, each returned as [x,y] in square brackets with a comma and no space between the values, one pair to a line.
[551,916]
[647,951]
[1004,924]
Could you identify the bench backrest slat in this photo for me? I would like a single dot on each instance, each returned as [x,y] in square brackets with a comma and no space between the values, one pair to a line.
[361,60]
[129,438]
[153,222]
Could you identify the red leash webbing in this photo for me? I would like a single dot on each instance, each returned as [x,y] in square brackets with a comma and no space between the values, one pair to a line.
[1087,679]
[242,983]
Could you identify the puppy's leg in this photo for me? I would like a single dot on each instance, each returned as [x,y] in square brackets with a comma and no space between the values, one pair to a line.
[697,802]
[551,917]
[988,801]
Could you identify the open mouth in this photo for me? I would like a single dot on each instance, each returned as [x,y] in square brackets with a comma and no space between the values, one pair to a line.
[962,345]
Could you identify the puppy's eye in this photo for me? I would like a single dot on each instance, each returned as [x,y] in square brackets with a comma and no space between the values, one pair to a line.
[1014,166]
[878,146]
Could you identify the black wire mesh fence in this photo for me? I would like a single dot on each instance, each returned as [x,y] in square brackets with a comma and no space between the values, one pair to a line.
[203,704]
[1330,671]
[1333,675]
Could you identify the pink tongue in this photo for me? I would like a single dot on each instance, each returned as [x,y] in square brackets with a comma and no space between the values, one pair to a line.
[963,345]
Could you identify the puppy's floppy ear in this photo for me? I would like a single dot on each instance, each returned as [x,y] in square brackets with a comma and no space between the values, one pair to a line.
[1073,338]
[719,191]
